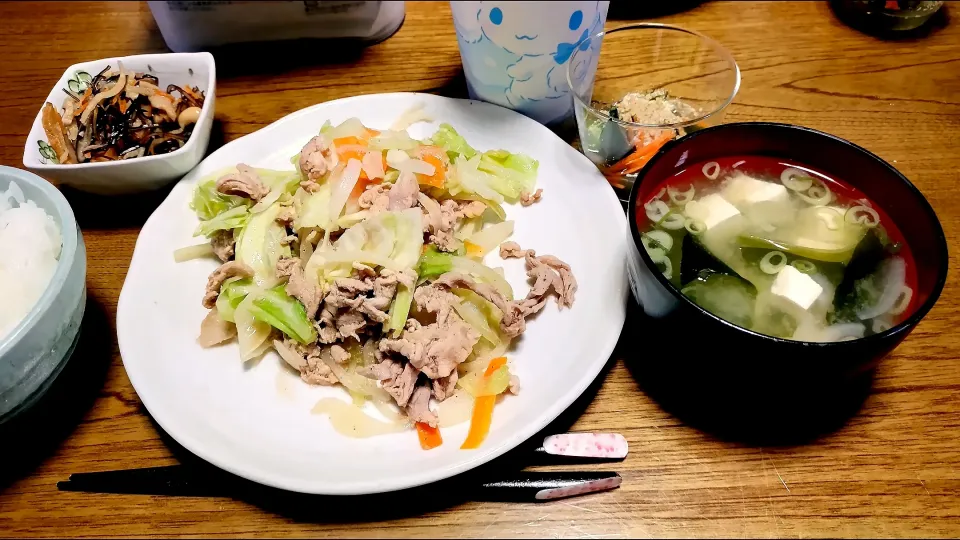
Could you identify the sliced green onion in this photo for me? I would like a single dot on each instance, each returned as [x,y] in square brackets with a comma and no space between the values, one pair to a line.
[818,194]
[653,248]
[672,222]
[796,179]
[656,210]
[903,301]
[769,266]
[711,170]
[667,267]
[662,238]
[695,226]
[862,215]
[657,255]
[681,197]
[804,266]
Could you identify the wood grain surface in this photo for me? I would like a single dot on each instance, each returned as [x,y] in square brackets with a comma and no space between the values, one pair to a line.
[891,469]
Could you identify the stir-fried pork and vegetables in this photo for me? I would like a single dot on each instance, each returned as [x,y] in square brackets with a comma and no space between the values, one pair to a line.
[363,266]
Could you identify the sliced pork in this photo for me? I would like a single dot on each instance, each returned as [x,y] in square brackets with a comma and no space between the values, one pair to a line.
[243,183]
[223,244]
[317,158]
[224,272]
[298,286]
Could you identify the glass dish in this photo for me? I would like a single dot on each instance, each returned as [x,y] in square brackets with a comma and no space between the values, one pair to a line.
[884,16]
[698,75]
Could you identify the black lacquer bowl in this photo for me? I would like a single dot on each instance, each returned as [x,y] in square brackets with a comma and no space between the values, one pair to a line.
[674,329]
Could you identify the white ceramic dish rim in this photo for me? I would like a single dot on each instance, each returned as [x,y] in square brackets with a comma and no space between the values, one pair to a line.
[402,481]
[68,234]
[205,116]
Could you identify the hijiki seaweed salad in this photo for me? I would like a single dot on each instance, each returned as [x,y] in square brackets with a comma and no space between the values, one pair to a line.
[363,266]
[118,114]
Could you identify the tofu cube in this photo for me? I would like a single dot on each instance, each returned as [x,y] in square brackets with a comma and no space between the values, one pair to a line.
[797,287]
[745,190]
[712,210]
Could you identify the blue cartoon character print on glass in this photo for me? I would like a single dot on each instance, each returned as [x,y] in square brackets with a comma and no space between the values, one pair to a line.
[516,53]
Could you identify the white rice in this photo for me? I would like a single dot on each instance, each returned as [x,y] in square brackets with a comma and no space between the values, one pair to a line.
[30,244]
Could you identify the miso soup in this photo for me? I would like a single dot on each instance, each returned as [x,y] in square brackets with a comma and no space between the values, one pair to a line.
[779,248]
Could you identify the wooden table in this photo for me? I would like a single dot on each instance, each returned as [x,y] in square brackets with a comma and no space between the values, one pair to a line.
[892,470]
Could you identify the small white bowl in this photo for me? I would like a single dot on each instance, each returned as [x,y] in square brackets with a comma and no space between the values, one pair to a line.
[135,174]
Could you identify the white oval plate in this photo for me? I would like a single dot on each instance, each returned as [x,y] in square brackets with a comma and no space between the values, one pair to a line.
[255,420]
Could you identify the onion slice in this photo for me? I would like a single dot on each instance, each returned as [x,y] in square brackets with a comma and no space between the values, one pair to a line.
[192,252]
[894,276]
[373,165]
[343,186]
[829,216]
[348,420]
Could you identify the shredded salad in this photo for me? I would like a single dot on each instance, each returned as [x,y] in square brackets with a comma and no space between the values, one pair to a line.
[363,266]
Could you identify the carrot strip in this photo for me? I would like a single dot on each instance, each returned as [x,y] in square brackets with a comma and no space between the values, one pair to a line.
[429,436]
[639,157]
[349,140]
[482,410]
[479,422]
[435,151]
[346,155]
[360,186]
[473,250]
[494,365]
[435,180]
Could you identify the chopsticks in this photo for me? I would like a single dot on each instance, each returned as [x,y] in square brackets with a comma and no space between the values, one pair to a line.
[183,481]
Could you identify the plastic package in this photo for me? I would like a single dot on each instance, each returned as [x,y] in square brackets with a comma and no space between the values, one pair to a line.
[197,25]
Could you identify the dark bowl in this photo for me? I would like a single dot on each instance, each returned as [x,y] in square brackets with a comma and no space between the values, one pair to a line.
[678,330]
